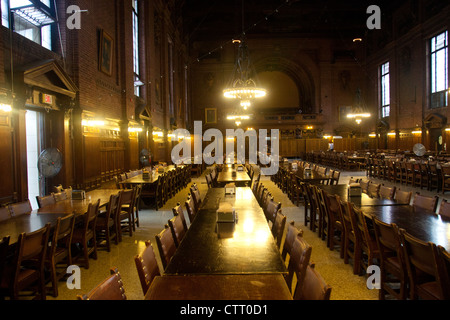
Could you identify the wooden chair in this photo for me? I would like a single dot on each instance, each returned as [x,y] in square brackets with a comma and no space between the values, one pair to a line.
[365,237]
[109,289]
[260,192]
[373,190]
[271,209]
[4,214]
[177,229]
[18,208]
[150,193]
[403,197]
[57,189]
[426,203]
[190,208]
[45,200]
[27,267]
[208,180]
[313,286]
[424,268]
[68,191]
[445,178]
[364,185]
[434,176]
[335,177]
[392,260]
[335,228]
[166,245]
[352,247]
[387,192]
[60,196]
[4,251]
[195,193]
[136,206]
[124,213]
[306,203]
[425,176]
[278,227]
[444,210]
[147,266]
[298,262]
[60,249]
[106,226]
[291,233]
[409,173]
[255,183]
[445,277]
[85,234]
[178,211]
[317,210]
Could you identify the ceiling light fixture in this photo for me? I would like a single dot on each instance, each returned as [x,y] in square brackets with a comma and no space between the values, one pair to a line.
[358,112]
[242,86]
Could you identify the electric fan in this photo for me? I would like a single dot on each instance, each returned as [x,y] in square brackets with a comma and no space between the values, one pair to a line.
[50,162]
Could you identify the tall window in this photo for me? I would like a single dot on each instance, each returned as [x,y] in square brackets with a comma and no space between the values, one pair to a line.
[137,81]
[385,91]
[439,70]
[32,19]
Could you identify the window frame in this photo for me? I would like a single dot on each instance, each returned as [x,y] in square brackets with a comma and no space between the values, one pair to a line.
[136,47]
[438,99]
[9,21]
[385,77]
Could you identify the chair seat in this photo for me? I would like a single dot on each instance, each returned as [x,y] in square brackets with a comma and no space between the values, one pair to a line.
[25,275]
[395,262]
[430,289]
[78,235]
[60,253]
[102,223]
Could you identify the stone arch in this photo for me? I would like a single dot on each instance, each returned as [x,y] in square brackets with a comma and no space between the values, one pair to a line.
[299,74]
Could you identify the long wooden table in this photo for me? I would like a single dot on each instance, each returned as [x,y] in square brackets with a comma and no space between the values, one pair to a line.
[250,250]
[303,176]
[420,223]
[425,225]
[38,218]
[219,287]
[360,201]
[139,179]
[241,178]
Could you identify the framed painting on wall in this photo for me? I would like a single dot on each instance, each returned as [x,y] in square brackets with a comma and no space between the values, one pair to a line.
[106,53]
[210,115]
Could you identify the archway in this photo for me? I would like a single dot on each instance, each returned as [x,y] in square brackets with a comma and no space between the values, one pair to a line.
[292,75]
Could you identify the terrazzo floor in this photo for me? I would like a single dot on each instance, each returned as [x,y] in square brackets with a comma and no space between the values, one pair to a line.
[345,285]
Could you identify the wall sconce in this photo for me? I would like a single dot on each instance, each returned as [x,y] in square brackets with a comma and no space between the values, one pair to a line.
[416,132]
[5,107]
[92,123]
[372,135]
[134,129]
[391,134]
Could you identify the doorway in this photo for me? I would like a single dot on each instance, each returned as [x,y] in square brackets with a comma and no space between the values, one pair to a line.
[33,121]
[435,140]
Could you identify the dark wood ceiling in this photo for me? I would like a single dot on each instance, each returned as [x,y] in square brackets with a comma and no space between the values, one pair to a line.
[226,19]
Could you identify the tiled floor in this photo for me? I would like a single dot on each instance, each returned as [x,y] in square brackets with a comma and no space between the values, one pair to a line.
[345,285]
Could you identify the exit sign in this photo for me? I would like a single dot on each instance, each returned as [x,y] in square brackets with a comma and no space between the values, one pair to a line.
[46,98]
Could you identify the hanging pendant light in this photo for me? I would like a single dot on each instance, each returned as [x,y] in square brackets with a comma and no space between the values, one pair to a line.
[242,87]
[358,111]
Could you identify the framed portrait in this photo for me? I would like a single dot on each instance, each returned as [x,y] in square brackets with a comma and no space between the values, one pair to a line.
[210,115]
[343,111]
[106,53]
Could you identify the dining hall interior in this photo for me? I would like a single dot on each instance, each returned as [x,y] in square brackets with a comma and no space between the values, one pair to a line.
[224,150]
